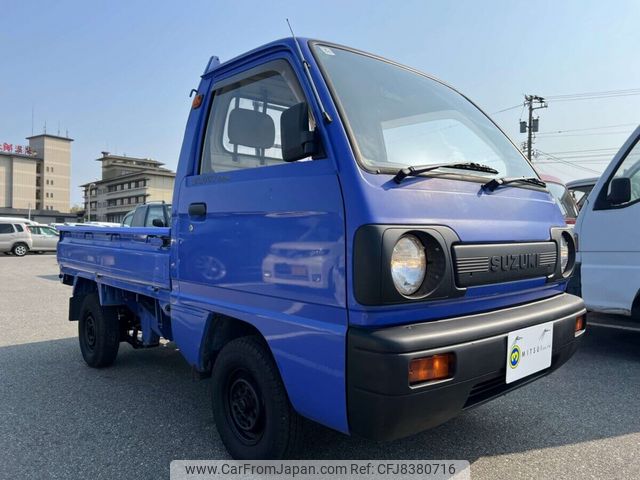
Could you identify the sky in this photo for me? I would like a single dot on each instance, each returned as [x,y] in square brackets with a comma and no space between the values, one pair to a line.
[117,74]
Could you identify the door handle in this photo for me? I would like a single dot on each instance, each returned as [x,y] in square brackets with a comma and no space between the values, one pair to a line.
[198,209]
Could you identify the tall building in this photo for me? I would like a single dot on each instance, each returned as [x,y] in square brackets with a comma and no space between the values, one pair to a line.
[35,177]
[126,182]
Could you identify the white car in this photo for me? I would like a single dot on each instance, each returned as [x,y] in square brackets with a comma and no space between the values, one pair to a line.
[44,237]
[15,237]
[608,230]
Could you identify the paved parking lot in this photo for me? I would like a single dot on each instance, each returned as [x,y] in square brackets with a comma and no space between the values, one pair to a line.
[61,419]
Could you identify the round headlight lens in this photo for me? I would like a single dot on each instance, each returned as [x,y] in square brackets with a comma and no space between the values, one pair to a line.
[564,254]
[408,264]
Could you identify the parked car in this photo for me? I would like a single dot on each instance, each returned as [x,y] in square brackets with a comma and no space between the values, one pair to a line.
[15,237]
[608,231]
[580,189]
[442,259]
[45,238]
[563,198]
[152,214]
[19,220]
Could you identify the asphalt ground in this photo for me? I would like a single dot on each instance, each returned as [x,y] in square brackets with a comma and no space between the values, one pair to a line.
[62,419]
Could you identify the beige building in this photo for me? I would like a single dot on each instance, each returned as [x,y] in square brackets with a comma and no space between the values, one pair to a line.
[36,176]
[126,182]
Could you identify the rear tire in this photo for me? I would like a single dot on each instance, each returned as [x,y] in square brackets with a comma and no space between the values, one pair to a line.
[98,332]
[20,249]
[250,404]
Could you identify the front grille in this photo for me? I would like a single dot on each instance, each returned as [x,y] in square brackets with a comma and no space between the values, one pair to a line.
[482,264]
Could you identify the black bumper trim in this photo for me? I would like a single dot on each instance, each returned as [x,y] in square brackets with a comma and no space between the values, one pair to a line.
[381,403]
[451,331]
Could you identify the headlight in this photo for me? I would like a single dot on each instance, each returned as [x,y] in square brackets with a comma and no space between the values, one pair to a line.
[408,264]
[564,254]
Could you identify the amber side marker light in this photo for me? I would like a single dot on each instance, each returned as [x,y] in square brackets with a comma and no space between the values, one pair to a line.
[428,369]
[197,101]
[581,324]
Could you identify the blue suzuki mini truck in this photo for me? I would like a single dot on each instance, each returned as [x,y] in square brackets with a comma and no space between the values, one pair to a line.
[352,242]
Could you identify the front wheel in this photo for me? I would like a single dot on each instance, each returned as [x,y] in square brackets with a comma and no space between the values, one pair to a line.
[250,404]
[98,332]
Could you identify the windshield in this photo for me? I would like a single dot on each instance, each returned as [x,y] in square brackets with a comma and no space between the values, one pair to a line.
[401,118]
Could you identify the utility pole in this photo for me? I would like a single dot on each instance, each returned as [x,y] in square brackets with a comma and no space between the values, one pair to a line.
[531,126]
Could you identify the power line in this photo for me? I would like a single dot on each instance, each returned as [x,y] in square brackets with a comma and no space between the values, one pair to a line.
[570,163]
[628,91]
[590,128]
[624,132]
[507,109]
[587,150]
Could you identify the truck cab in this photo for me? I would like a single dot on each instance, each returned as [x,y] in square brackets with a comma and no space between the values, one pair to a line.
[351,241]
[607,229]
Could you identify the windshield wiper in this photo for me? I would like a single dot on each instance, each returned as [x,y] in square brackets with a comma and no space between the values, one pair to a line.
[498,182]
[417,170]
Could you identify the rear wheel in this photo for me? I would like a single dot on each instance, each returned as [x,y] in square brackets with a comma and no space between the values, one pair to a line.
[98,332]
[20,249]
[250,405]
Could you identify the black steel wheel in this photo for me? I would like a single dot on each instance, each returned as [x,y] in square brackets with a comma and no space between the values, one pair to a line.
[250,404]
[98,332]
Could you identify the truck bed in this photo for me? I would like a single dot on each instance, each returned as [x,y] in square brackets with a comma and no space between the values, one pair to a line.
[135,259]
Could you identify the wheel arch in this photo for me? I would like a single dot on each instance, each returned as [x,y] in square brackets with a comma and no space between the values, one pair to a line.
[220,330]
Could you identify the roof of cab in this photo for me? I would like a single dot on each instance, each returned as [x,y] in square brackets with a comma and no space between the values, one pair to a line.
[287,42]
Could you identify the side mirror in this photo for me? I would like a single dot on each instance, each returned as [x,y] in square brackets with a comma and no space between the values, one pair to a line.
[157,222]
[296,138]
[619,190]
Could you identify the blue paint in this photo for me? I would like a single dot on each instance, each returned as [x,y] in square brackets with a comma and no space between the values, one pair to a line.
[275,248]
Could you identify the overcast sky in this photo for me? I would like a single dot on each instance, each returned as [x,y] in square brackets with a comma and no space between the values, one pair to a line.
[117,74]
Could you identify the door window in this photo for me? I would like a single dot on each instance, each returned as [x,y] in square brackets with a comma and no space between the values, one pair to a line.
[6,228]
[19,228]
[154,212]
[138,217]
[243,130]
[628,168]
[127,219]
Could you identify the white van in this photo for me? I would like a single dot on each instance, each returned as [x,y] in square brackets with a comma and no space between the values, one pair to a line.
[15,237]
[608,230]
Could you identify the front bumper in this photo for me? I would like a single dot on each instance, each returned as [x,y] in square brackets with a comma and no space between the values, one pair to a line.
[381,403]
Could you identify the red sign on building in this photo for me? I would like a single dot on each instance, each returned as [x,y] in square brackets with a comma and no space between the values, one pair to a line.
[17,149]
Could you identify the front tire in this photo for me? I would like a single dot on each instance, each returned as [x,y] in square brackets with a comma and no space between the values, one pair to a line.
[20,249]
[98,332]
[250,404]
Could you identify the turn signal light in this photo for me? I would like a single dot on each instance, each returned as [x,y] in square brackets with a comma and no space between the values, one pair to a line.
[580,324]
[428,369]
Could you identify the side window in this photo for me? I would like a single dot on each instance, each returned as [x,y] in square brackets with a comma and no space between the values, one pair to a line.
[35,230]
[6,228]
[127,219]
[154,211]
[138,217]
[629,169]
[19,228]
[243,129]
